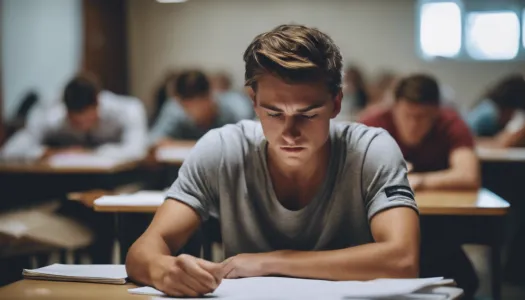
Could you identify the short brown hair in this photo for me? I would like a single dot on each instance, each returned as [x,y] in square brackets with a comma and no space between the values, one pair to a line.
[81,92]
[418,88]
[509,92]
[190,84]
[295,54]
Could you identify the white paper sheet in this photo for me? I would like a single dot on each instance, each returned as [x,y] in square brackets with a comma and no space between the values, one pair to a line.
[142,198]
[292,288]
[90,273]
[172,153]
[83,160]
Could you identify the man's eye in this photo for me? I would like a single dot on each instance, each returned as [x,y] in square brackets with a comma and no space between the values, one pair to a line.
[309,116]
[274,115]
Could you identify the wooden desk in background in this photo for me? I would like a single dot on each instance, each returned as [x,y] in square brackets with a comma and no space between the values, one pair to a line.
[516,155]
[457,203]
[51,290]
[174,153]
[45,168]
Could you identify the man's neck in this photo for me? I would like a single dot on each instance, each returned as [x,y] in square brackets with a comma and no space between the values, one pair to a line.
[302,173]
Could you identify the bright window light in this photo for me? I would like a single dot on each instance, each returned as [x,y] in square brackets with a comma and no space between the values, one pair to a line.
[523,28]
[493,35]
[440,29]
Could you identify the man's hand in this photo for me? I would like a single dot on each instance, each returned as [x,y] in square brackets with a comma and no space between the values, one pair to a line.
[246,265]
[185,275]
[416,181]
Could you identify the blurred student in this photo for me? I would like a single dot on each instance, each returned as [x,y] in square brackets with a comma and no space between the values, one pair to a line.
[499,119]
[381,92]
[193,110]
[29,101]
[439,147]
[355,90]
[297,195]
[239,102]
[88,120]
[434,140]
[161,96]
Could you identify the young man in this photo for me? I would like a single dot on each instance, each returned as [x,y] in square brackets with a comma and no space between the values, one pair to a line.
[434,140]
[439,146]
[193,110]
[296,195]
[88,120]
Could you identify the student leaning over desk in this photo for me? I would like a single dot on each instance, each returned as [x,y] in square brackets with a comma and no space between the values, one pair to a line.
[87,120]
[296,194]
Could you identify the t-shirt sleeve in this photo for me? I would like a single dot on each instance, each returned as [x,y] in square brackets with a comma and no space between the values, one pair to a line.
[384,177]
[198,182]
[459,134]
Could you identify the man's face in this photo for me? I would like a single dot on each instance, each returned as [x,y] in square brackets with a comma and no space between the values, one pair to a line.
[84,120]
[199,109]
[414,120]
[295,117]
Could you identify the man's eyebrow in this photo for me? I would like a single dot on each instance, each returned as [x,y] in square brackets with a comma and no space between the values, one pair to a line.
[301,110]
[311,107]
[271,107]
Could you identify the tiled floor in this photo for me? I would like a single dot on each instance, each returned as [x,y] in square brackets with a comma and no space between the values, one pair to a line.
[480,257]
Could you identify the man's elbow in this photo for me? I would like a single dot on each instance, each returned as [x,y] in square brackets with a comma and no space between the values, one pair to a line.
[472,181]
[407,267]
[405,263]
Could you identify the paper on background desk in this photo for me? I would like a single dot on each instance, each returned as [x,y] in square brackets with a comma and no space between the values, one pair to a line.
[115,274]
[142,198]
[172,153]
[293,288]
[83,160]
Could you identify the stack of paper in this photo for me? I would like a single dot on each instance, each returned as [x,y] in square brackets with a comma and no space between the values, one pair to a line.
[83,160]
[114,274]
[142,198]
[293,288]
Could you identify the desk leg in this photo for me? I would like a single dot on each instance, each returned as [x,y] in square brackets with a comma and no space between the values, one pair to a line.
[495,260]
[120,241]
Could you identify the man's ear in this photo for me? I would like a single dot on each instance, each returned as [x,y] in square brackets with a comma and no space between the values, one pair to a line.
[251,93]
[337,104]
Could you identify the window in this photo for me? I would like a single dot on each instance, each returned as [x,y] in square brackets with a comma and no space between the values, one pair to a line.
[440,29]
[523,28]
[492,35]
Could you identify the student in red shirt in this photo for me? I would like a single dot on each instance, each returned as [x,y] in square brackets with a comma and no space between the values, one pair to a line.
[439,147]
[434,140]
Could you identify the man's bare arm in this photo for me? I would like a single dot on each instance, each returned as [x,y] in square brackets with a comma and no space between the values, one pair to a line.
[172,226]
[395,254]
[464,173]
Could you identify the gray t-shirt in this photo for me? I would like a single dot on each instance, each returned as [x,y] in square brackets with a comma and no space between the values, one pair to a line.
[226,176]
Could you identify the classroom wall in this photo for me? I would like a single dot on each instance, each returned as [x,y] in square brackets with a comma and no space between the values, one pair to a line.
[376,34]
[41,48]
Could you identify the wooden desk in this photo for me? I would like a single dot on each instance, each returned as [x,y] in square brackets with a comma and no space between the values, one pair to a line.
[457,203]
[501,155]
[39,168]
[51,290]
[42,289]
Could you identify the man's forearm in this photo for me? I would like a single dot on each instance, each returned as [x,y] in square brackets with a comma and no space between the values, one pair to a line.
[365,262]
[142,256]
[450,179]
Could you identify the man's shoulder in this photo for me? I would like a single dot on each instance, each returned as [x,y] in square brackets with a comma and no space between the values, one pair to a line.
[357,136]
[234,139]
